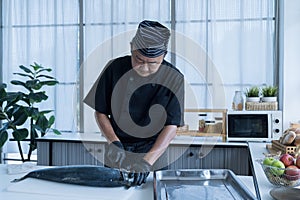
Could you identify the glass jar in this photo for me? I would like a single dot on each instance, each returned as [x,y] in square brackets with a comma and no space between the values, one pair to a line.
[238,101]
[202,117]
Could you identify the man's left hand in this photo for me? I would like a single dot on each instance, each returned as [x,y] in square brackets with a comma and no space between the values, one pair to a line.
[139,172]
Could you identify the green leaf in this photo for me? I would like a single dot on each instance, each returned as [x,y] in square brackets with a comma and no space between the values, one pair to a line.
[12,98]
[32,111]
[51,121]
[20,134]
[2,115]
[34,84]
[3,94]
[44,69]
[46,111]
[20,116]
[49,83]
[15,82]
[37,128]
[5,126]
[9,112]
[3,86]
[37,97]
[57,132]
[33,133]
[25,75]
[42,123]
[3,137]
[25,69]
[36,66]
[44,76]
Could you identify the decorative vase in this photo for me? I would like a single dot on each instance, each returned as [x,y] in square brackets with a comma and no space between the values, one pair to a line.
[238,101]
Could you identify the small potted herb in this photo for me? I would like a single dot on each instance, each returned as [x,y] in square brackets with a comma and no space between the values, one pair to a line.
[269,94]
[252,94]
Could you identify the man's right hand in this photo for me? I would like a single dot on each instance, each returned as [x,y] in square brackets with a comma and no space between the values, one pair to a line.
[115,154]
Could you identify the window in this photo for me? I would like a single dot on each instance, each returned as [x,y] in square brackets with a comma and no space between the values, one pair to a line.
[219,45]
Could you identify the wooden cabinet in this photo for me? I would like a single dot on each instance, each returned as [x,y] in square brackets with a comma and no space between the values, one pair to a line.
[233,157]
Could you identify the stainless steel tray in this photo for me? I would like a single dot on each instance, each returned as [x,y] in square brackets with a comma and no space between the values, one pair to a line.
[199,184]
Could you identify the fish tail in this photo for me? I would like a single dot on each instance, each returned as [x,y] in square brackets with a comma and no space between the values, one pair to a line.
[18,179]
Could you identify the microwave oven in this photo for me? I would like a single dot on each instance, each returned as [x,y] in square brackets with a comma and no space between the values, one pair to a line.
[253,125]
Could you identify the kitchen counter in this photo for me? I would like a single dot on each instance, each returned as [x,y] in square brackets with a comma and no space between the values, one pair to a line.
[33,189]
[178,140]
[184,152]
[263,185]
[256,150]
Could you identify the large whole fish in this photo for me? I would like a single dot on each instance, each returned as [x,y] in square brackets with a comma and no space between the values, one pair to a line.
[88,175]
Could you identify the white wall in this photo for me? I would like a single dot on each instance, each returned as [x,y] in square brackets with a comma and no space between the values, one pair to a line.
[291,70]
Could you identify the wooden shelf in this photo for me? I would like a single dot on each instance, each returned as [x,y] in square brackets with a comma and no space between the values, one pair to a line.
[208,133]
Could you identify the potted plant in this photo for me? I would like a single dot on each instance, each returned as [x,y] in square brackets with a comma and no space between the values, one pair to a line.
[252,94]
[19,113]
[269,94]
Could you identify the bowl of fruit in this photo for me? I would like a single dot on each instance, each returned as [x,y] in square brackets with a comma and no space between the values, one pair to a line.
[283,170]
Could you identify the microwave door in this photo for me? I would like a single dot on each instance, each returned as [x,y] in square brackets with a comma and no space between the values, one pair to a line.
[248,126]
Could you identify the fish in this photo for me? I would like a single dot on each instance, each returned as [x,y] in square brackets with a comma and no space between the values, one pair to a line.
[85,175]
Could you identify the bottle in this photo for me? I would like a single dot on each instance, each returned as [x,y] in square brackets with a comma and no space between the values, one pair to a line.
[202,117]
[238,101]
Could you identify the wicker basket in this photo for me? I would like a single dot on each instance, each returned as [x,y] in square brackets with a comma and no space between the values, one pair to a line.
[261,106]
[277,146]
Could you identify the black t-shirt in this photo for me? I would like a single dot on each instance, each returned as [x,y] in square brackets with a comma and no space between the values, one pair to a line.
[127,98]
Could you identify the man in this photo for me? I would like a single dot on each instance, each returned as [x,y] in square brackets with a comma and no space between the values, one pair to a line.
[139,103]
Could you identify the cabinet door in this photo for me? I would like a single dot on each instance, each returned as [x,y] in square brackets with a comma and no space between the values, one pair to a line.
[69,153]
[181,157]
[207,157]
[94,153]
[214,158]
[237,159]
[43,153]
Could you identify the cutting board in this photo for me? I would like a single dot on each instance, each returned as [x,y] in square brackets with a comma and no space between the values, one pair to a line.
[42,187]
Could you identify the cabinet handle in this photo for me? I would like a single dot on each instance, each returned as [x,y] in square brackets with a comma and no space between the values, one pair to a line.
[201,155]
[99,150]
[191,154]
[90,150]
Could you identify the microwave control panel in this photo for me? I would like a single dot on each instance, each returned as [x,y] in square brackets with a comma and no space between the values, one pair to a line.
[277,124]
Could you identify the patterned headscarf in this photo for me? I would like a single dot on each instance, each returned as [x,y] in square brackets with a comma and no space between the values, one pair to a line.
[151,39]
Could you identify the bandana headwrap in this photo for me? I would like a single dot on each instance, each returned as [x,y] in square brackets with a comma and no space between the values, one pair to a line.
[151,39]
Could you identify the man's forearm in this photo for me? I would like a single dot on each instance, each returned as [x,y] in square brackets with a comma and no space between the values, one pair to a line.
[105,127]
[161,144]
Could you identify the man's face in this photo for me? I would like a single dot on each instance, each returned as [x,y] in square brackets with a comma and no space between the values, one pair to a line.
[143,65]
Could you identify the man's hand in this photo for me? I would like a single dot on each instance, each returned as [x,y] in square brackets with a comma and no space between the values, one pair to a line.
[139,172]
[115,154]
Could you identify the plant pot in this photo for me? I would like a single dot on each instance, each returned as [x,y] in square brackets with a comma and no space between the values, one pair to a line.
[253,99]
[269,99]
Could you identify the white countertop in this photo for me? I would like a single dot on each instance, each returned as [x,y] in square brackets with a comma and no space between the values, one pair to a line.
[178,140]
[264,186]
[35,189]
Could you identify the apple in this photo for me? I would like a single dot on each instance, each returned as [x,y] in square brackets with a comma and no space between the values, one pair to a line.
[277,164]
[287,159]
[298,161]
[292,172]
[268,161]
